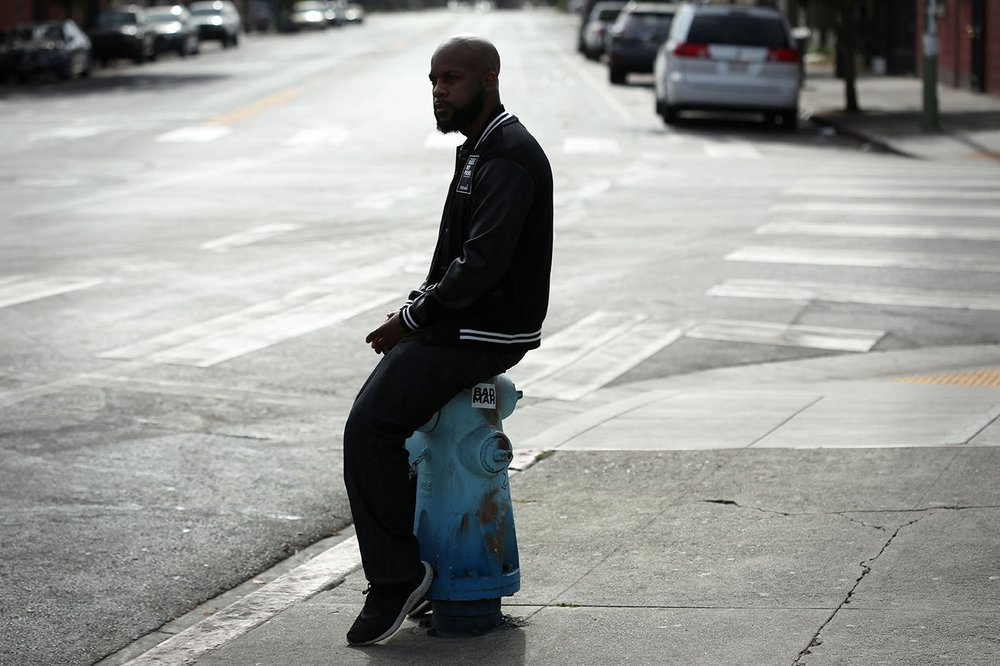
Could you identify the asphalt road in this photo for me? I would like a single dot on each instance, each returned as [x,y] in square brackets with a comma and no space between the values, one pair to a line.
[193,251]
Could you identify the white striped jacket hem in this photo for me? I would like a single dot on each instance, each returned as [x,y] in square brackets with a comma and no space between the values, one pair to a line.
[471,334]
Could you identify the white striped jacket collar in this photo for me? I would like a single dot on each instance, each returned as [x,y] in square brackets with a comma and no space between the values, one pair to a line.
[499,120]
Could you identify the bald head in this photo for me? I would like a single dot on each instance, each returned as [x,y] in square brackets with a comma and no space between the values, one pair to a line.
[478,52]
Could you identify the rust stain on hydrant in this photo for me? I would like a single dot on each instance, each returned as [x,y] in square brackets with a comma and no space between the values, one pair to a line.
[488,509]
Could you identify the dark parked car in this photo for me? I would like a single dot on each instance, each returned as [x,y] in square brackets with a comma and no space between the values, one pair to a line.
[47,47]
[174,30]
[123,33]
[635,37]
[218,20]
[602,16]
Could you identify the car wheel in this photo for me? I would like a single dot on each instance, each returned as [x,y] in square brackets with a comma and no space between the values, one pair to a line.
[617,75]
[789,120]
[669,114]
[236,40]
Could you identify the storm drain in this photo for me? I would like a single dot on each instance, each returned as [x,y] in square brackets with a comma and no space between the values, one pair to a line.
[988,378]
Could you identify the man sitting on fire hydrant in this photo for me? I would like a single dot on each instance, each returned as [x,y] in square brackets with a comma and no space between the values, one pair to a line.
[476,315]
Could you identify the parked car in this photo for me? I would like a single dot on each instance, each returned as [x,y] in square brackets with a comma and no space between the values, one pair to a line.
[174,29]
[729,58]
[46,47]
[309,15]
[217,20]
[635,36]
[123,32]
[354,13]
[594,31]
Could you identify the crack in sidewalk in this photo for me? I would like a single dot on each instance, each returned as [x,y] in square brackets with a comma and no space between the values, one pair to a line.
[866,568]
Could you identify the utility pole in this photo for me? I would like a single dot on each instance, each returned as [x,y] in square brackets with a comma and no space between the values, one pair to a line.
[929,121]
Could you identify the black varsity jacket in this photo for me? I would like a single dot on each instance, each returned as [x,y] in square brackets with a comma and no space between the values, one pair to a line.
[488,282]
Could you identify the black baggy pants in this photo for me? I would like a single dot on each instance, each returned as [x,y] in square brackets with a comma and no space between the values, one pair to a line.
[410,383]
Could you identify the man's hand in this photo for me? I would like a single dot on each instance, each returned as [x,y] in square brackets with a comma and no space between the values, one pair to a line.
[385,337]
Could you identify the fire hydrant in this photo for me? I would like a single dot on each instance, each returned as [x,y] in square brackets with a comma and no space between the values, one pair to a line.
[464,519]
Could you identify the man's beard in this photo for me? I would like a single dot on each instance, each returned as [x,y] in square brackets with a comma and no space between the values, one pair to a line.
[462,116]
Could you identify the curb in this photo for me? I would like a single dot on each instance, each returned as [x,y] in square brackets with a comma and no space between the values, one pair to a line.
[847,130]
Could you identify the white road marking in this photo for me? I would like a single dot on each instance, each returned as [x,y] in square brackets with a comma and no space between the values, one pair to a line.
[17,289]
[856,293]
[604,363]
[600,88]
[864,190]
[198,134]
[248,237]
[389,198]
[254,328]
[589,190]
[865,258]
[590,145]
[878,181]
[318,136]
[441,141]
[787,335]
[326,570]
[70,133]
[735,150]
[948,232]
[904,210]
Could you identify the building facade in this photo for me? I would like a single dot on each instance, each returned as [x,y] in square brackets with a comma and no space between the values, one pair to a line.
[969,43]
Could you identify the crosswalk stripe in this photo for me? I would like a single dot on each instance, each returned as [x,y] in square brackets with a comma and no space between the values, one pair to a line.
[864,258]
[201,134]
[16,289]
[725,151]
[442,141]
[247,237]
[70,133]
[867,191]
[787,335]
[877,181]
[318,136]
[254,328]
[572,343]
[856,293]
[588,144]
[604,363]
[885,209]
[948,232]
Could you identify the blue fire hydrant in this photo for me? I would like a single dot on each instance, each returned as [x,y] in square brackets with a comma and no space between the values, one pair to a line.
[464,519]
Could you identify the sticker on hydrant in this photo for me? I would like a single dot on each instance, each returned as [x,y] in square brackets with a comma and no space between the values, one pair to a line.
[484,396]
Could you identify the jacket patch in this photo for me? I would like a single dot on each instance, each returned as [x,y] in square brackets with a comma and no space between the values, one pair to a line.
[465,181]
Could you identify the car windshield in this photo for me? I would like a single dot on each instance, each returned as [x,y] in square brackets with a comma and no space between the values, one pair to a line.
[115,19]
[48,32]
[608,15]
[739,31]
[163,17]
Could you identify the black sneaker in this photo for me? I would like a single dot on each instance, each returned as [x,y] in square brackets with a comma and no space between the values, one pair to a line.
[422,608]
[386,607]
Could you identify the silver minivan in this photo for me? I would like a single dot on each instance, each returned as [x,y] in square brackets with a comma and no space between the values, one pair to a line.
[729,58]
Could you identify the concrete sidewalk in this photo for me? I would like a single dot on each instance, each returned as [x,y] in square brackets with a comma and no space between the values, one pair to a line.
[892,109]
[841,510]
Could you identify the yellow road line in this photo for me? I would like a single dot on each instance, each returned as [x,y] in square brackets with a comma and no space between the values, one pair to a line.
[258,107]
[987,378]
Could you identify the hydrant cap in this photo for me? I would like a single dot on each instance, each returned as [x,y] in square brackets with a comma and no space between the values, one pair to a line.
[495,454]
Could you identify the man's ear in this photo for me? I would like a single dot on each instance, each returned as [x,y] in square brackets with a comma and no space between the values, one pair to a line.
[490,81]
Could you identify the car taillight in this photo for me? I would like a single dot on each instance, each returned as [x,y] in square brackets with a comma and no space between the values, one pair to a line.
[687,50]
[783,55]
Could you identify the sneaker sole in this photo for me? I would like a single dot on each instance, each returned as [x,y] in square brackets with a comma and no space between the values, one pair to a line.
[411,601]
